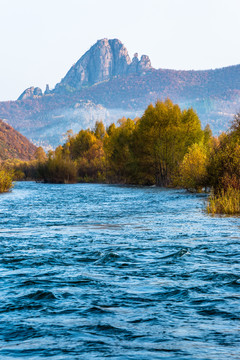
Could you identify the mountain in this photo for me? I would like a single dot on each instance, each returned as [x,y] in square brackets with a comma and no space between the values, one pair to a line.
[14,145]
[106,84]
[104,61]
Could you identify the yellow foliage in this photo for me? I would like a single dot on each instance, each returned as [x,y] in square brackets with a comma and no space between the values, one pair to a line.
[193,170]
[5,181]
[226,202]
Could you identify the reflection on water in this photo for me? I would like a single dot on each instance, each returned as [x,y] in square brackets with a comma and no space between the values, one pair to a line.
[96,271]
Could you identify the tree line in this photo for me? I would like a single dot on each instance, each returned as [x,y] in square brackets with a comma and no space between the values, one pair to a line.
[142,151]
[165,147]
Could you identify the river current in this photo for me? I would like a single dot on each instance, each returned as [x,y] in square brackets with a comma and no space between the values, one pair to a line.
[90,271]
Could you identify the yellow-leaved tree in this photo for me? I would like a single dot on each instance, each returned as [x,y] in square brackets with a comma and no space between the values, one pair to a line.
[193,169]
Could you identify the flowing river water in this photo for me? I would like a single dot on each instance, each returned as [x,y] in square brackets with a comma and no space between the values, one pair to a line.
[90,271]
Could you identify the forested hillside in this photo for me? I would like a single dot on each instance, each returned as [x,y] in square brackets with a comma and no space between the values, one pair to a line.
[14,145]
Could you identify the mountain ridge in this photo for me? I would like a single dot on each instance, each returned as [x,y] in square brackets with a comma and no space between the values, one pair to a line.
[106,84]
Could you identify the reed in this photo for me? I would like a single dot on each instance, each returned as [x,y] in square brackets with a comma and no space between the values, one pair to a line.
[225,202]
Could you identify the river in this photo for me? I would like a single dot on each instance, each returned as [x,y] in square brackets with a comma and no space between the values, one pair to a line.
[91,271]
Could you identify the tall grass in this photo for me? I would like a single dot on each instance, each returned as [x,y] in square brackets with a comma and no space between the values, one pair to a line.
[5,181]
[225,202]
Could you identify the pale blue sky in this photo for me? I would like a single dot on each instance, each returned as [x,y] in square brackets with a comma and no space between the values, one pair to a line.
[41,39]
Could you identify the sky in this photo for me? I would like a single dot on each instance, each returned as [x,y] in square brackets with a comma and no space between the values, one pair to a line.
[42,39]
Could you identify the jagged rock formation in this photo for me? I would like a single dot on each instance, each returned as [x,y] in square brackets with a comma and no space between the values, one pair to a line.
[14,145]
[30,93]
[47,90]
[105,60]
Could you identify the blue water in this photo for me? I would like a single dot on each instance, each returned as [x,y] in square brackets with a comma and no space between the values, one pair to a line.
[93,271]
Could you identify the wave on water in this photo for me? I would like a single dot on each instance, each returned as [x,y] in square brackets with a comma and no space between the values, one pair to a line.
[91,271]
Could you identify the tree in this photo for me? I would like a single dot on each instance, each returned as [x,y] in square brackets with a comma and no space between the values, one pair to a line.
[193,171]
[99,130]
[164,134]
[81,143]
[40,154]
[118,147]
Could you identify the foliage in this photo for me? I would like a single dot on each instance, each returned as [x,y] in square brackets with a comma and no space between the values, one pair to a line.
[57,168]
[224,161]
[119,149]
[163,136]
[225,202]
[40,154]
[5,181]
[78,145]
[58,171]
[14,145]
[99,130]
[193,170]
[224,172]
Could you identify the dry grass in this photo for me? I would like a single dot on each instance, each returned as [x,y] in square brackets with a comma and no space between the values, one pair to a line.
[226,202]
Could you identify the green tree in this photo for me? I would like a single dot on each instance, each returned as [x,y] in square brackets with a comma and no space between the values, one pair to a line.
[164,134]
[118,147]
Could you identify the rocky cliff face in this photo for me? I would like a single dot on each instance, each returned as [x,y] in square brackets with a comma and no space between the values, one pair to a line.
[105,60]
[30,93]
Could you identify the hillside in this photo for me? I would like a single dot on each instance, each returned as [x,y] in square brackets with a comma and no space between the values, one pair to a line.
[105,84]
[14,145]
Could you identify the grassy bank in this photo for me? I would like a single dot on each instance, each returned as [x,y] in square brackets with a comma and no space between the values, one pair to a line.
[226,202]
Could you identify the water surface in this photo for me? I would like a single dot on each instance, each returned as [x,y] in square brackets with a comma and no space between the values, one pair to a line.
[93,271]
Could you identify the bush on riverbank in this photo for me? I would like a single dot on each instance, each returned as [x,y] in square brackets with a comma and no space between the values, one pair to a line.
[225,202]
[193,169]
[5,181]
[57,169]
[224,172]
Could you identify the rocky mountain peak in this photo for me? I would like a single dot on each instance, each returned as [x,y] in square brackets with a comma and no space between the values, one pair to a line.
[104,60]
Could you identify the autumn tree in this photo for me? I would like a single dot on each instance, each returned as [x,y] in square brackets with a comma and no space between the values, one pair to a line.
[193,169]
[164,134]
[118,147]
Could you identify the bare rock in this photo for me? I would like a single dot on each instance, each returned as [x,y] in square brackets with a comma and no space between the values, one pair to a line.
[31,93]
[103,61]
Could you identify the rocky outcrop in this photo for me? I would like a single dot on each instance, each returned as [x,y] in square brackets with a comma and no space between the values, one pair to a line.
[47,90]
[133,67]
[139,66]
[105,60]
[31,93]
[144,64]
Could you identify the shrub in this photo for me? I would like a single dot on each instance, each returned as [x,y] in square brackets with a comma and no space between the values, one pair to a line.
[5,181]
[225,202]
[58,170]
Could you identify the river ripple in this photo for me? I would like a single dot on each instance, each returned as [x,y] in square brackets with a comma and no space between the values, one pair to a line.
[92,271]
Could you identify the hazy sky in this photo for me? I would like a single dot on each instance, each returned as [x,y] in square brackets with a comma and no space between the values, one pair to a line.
[41,39]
